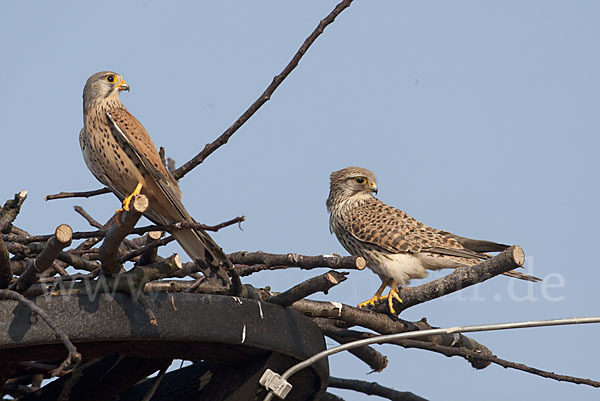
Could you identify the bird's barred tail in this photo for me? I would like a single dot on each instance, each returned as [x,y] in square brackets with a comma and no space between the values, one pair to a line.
[522,276]
[209,257]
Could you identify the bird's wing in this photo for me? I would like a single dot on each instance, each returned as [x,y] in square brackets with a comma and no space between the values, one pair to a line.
[197,243]
[478,245]
[127,128]
[389,228]
[393,230]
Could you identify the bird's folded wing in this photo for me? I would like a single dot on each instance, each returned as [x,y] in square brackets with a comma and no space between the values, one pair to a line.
[131,131]
[478,245]
[393,230]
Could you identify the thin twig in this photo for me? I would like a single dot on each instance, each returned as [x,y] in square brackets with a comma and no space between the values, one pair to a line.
[153,244]
[369,355]
[266,95]
[447,330]
[74,357]
[321,283]
[85,194]
[474,355]
[93,222]
[10,210]
[372,388]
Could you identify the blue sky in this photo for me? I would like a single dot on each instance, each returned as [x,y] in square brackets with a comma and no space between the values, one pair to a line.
[480,118]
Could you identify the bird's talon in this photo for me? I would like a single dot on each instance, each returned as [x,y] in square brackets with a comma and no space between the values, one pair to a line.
[127,201]
[390,297]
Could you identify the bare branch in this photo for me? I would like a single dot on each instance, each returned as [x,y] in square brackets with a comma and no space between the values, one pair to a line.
[10,210]
[252,262]
[266,95]
[77,262]
[61,239]
[372,388]
[151,255]
[109,250]
[93,222]
[369,355]
[321,283]
[189,224]
[146,248]
[478,357]
[463,277]
[85,194]
[381,323]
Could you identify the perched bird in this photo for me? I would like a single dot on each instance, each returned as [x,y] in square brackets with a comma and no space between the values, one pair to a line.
[119,152]
[397,247]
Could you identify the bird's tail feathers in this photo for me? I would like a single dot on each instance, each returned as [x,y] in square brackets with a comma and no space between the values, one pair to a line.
[522,276]
[205,252]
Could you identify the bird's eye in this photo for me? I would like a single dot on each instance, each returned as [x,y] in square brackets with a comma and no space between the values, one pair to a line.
[359,180]
[110,78]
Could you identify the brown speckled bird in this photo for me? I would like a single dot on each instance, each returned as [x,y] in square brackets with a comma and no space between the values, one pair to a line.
[119,152]
[397,247]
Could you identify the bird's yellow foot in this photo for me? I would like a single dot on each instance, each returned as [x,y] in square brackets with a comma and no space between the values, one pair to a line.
[372,301]
[390,298]
[127,201]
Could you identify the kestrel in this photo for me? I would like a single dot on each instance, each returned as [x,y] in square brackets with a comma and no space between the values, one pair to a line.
[397,247]
[119,152]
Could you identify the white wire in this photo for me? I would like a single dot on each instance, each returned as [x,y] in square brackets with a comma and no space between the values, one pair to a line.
[420,333]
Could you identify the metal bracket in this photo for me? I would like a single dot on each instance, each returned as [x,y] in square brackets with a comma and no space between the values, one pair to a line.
[275,383]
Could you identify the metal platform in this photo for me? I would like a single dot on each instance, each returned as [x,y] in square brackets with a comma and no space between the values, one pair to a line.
[236,338]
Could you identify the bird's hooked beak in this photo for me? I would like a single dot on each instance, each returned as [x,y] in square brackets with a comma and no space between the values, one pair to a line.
[373,187]
[123,86]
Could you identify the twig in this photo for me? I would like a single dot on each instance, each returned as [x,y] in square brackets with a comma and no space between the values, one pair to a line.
[93,222]
[139,231]
[266,95]
[109,250]
[151,255]
[369,355]
[372,388]
[189,224]
[383,324]
[74,357]
[131,282]
[490,358]
[321,283]
[463,277]
[61,239]
[448,330]
[10,210]
[146,248]
[431,343]
[77,262]
[257,261]
[85,194]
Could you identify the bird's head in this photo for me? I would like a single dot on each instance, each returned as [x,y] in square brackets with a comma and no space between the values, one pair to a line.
[103,85]
[351,182]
